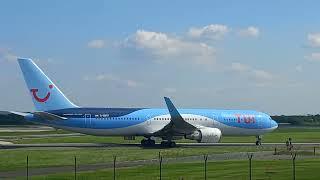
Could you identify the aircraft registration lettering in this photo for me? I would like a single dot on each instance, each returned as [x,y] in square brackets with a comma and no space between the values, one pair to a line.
[102,116]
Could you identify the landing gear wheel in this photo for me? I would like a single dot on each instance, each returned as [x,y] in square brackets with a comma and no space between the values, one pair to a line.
[172,144]
[152,142]
[258,142]
[163,143]
[148,142]
[143,142]
[168,144]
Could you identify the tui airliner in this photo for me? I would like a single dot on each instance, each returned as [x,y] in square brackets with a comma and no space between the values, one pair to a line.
[54,109]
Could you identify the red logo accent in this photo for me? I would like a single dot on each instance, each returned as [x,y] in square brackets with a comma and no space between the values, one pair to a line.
[238,117]
[34,93]
[248,119]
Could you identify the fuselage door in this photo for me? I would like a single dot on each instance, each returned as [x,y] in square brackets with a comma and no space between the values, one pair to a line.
[87,120]
[148,120]
[214,118]
[259,120]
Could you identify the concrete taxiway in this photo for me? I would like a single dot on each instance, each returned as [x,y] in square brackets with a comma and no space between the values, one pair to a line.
[97,145]
[28,128]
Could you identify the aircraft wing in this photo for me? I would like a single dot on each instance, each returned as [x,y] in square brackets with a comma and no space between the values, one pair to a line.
[177,125]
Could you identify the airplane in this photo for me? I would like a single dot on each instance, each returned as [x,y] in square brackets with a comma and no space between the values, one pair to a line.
[54,109]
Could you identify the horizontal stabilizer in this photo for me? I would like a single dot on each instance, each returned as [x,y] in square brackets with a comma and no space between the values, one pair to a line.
[48,116]
[14,113]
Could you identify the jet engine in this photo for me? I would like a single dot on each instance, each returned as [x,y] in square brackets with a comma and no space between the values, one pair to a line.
[205,135]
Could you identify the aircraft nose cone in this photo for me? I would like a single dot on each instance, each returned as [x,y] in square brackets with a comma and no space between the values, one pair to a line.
[274,125]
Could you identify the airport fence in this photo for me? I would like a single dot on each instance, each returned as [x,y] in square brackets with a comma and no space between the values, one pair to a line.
[246,160]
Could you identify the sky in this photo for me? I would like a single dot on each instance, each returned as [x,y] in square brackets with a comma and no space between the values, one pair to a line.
[257,55]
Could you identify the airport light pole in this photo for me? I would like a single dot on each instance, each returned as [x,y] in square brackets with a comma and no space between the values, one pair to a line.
[114,167]
[250,165]
[160,165]
[75,167]
[294,166]
[27,167]
[205,157]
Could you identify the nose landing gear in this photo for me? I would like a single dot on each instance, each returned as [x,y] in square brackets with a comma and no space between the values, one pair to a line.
[258,141]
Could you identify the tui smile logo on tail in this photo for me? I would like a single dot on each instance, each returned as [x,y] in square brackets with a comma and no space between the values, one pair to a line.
[34,93]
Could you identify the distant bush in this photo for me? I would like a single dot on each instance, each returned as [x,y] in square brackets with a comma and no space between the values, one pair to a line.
[13,120]
[311,120]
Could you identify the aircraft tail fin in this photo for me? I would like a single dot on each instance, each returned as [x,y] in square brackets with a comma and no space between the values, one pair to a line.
[45,95]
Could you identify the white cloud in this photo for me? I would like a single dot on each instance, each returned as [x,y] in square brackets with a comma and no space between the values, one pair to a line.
[131,83]
[239,67]
[10,57]
[6,55]
[164,47]
[107,77]
[314,57]
[114,79]
[210,32]
[262,77]
[314,39]
[96,44]
[299,68]
[170,90]
[250,31]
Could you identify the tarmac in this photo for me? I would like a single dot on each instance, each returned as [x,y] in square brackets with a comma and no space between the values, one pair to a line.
[8,145]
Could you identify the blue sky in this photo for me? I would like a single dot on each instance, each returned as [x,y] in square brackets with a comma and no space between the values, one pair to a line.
[210,54]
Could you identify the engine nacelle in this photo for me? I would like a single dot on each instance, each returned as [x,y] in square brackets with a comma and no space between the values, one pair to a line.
[205,135]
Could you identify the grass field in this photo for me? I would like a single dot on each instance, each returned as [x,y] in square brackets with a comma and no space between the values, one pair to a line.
[44,157]
[15,159]
[264,170]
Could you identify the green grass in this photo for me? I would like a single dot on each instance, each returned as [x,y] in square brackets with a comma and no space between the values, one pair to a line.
[12,159]
[281,135]
[45,157]
[264,170]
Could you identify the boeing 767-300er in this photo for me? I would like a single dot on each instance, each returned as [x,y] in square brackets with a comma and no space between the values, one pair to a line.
[54,109]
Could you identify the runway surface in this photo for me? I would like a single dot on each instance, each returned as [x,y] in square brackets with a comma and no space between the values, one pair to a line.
[97,145]
[28,128]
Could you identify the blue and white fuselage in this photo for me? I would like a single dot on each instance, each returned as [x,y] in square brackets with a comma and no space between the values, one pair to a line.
[54,109]
[145,121]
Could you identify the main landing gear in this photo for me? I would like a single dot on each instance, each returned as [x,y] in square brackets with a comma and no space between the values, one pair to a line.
[168,144]
[148,142]
[258,142]
[151,143]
